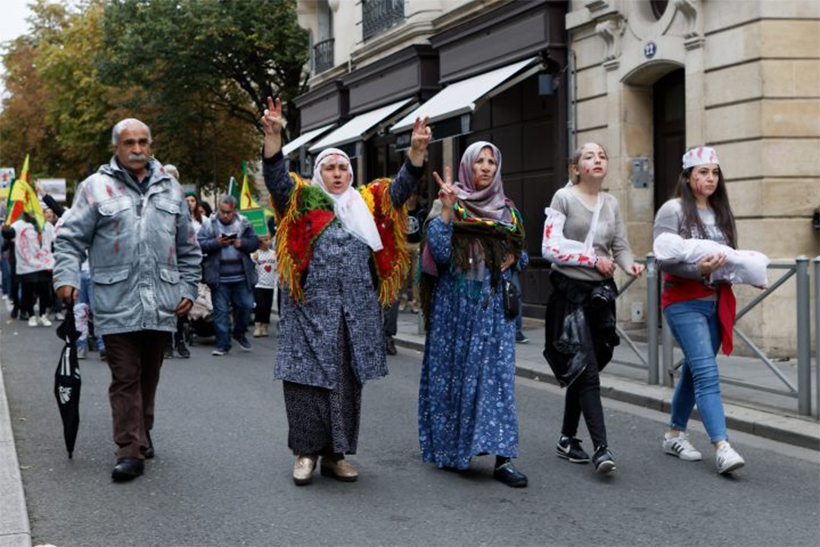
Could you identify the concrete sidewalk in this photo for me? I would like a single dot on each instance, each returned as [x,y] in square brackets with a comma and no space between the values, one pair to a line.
[14,525]
[763,413]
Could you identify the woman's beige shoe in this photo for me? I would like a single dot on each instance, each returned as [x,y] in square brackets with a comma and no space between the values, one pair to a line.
[257,330]
[341,470]
[303,470]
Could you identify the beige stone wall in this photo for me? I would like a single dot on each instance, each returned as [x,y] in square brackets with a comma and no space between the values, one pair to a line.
[752,91]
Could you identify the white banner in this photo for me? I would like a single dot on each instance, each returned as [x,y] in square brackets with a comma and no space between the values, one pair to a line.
[55,187]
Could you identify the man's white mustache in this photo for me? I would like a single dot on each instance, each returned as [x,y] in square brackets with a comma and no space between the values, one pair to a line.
[137,157]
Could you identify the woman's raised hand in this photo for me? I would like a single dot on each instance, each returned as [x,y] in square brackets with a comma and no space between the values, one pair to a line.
[446,193]
[419,141]
[272,120]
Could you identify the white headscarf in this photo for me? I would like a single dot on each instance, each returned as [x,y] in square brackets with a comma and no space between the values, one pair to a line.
[349,206]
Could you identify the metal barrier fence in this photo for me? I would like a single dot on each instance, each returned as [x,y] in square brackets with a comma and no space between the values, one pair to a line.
[660,369]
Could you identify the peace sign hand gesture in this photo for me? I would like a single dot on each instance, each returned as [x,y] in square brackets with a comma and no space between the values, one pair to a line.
[447,193]
[272,124]
[272,121]
[419,141]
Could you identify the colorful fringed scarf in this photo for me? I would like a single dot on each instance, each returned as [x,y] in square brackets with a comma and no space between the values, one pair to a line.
[471,236]
[310,211]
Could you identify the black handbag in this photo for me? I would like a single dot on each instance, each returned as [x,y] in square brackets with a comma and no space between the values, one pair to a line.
[511,298]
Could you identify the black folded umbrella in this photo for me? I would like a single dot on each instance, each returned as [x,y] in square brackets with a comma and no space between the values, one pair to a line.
[67,381]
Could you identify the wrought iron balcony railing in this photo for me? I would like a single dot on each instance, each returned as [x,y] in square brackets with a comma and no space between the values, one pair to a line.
[380,15]
[323,56]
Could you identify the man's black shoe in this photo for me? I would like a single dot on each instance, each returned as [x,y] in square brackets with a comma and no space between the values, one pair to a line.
[148,452]
[183,351]
[570,449]
[169,352]
[14,313]
[603,461]
[509,475]
[390,346]
[127,469]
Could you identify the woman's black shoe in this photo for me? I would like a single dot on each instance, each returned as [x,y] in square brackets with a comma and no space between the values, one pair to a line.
[509,475]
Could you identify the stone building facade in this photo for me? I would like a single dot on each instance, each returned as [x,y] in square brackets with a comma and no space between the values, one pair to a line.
[652,78]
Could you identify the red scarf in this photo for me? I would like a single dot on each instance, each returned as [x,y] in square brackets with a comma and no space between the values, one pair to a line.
[678,289]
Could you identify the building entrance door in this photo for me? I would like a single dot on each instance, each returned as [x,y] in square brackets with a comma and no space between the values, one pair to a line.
[669,121]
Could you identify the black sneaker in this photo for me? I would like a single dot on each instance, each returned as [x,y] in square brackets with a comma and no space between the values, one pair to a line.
[521,338]
[603,460]
[243,342]
[509,475]
[569,448]
[183,351]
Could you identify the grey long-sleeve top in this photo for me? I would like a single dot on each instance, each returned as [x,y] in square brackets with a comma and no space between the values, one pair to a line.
[339,293]
[610,235]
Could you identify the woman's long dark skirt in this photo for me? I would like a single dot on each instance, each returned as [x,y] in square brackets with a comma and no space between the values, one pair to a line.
[326,421]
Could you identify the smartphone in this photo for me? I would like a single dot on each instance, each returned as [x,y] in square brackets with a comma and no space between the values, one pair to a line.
[229,236]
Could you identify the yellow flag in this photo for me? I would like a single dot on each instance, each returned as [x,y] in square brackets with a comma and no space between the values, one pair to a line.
[246,200]
[23,198]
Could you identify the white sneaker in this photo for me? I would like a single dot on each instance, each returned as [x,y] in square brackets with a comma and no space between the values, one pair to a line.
[727,460]
[43,320]
[32,321]
[681,447]
[59,316]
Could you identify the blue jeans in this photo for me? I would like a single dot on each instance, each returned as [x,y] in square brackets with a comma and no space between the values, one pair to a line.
[519,319]
[86,296]
[694,324]
[5,268]
[222,296]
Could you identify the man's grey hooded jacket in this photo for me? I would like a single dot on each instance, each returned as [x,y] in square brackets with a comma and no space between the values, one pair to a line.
[142,249]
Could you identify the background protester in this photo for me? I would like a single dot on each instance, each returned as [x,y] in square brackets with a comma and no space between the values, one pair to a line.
[584,237]
[700,314]
[34,263]
[265,291]
[474,239]
[416,215]
[331,310]
[227,240]
[177,340]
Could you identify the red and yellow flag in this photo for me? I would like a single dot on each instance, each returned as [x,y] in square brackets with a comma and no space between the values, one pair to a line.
[23,199]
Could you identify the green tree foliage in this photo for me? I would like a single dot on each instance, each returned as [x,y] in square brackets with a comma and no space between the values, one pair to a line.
[232,53]
[196,71]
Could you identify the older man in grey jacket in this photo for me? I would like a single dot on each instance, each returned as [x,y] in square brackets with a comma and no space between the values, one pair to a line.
[132,219]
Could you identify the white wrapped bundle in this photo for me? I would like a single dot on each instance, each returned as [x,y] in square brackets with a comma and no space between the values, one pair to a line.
[742,267]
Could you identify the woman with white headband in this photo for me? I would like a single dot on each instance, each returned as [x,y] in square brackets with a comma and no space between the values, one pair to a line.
[329,236]
[700,313]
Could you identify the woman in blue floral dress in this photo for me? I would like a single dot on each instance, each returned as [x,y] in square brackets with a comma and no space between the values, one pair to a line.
[474,239]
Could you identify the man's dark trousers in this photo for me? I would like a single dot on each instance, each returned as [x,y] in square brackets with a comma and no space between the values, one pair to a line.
[135,359]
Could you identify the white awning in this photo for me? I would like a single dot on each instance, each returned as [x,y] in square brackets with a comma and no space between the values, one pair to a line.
[304,139]
[463,97]
[357,128]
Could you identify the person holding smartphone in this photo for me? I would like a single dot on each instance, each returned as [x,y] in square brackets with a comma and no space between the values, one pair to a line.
[227,240]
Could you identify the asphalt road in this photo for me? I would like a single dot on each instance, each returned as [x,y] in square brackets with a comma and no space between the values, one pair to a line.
[222,472]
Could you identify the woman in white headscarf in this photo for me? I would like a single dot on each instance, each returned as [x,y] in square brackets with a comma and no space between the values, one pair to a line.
[331,240]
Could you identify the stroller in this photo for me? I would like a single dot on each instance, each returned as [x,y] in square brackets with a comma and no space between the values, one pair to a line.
[201,320]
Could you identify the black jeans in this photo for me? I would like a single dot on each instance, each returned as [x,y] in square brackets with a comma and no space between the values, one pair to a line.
[584,397]
[264,303]
[36,287]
